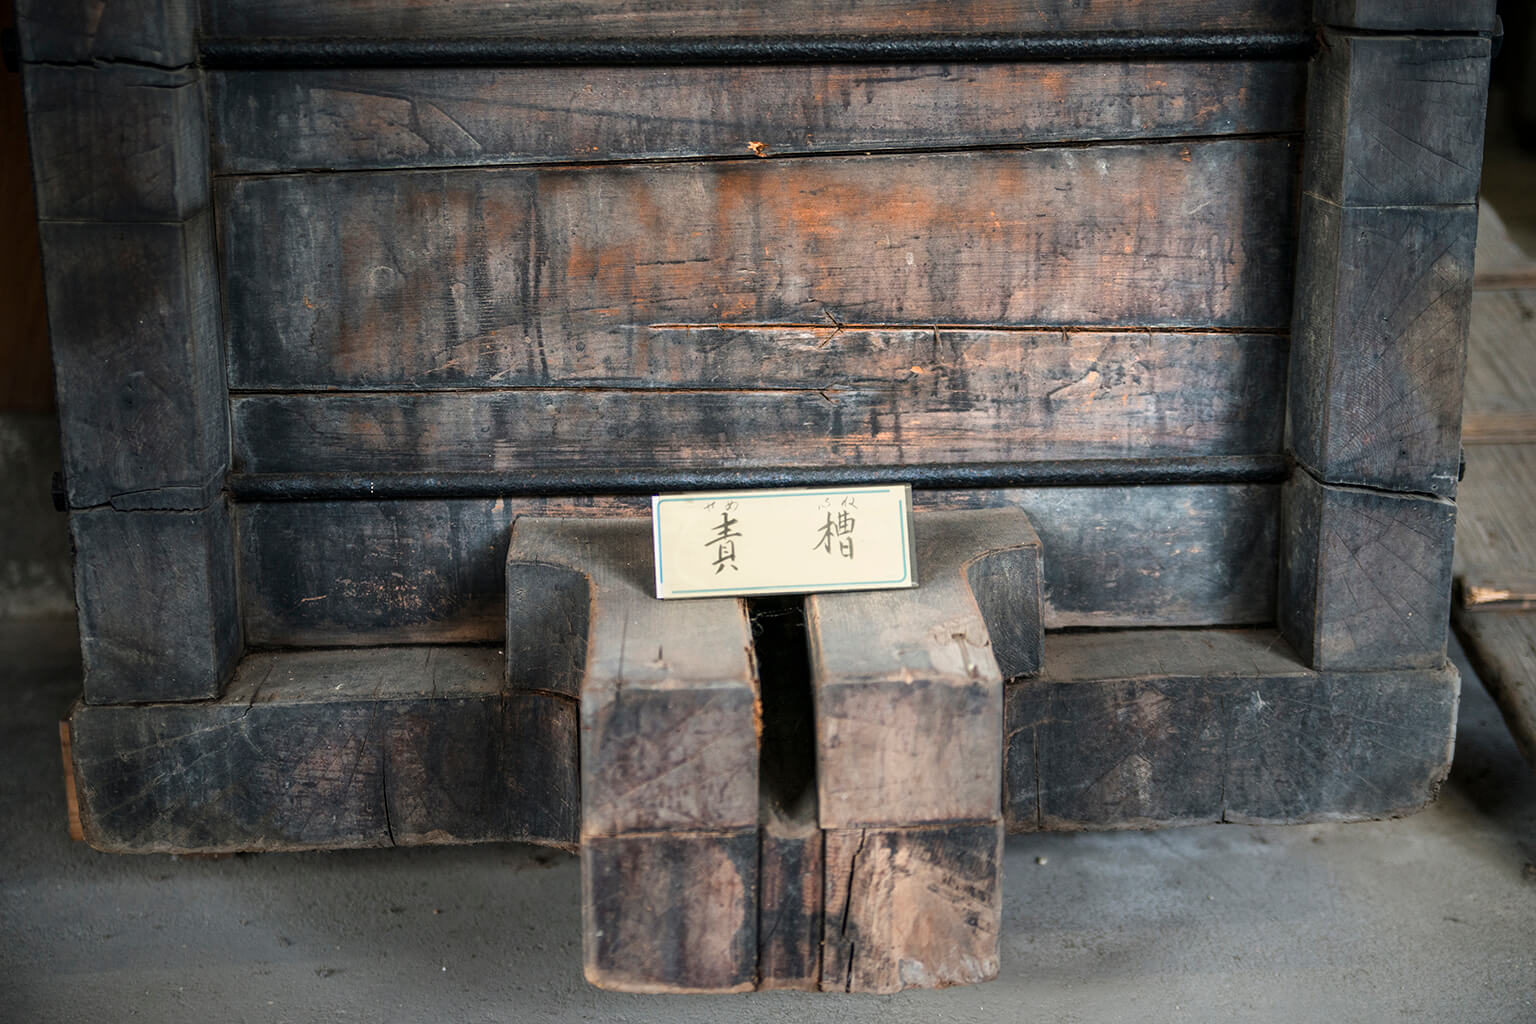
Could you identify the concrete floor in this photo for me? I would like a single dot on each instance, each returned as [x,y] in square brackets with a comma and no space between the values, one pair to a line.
[1428,918]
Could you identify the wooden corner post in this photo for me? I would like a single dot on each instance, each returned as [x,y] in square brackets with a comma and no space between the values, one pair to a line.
[115,113]
[1394,142]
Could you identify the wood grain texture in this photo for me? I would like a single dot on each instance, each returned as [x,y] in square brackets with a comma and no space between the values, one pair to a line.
[1130,729]
[353,119]
[120,143]
[911,908]
[1365,576]
[1102,236]
[1396,120]
[642,19]
[1501,354]
[353,573]
[74,31]
[668,689]
[1496,524]
[671,913]
[156,596]
[1407,15]
[1502,647]
[790,882]
[142,405]
[329,749]
[1383,299]
[908,692]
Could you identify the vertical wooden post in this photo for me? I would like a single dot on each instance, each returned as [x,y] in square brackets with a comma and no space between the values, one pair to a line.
[1388,225]
[120,152]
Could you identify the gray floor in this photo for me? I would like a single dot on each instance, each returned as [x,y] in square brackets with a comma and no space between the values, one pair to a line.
[1429,918]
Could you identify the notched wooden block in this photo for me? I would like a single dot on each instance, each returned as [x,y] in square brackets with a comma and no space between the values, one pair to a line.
[1365,576]
[671,913]
[117,143]
[159,619]
[133,313]
[907,686]
[911,907]
[147,31]
[1397,120]
[1383,303]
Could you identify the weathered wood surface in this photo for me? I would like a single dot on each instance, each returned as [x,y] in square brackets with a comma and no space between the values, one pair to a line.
[1502,647]
[1396,120]
[1501,358]
[133,311]
[156,595]
[1365,576]
[790,882]
[1131,729]
[159,32]
[876,398]
[1496,525]
[318,749]
[671,913]
[907,686]
[349,573]
[1501,263]
[1383,298]
[642,19]
[266,121]
[117,143]
[1104,236]
[1508,591]
[911,908]
[1408,15]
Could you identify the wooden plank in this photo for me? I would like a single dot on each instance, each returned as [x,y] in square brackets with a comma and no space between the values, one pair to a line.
[1503,650]
[1496,528]
[884,398]
[1383,300]
[1501,263]
[71,792]
[118,143]
[1408,15]
[911,908]
[907,689]
[327,749]
[676,907]
[1498,428]
[1511,591]
[387,262]
[653,19]
[1501,355]
[142,406]
[71,31]
[1131,729]
[156,595]
[350,573]
[1396,120]
[1365,578]
[353,119]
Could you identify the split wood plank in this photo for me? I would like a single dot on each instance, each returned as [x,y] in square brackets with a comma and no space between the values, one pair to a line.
[666,19]
[368,119]
[1131,729]
[1099,236]
[330,749]
[668,756]
[876,398]
[908,683]
[356,573]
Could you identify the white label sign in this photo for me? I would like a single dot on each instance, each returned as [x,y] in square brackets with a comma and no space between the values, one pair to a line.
[714,544]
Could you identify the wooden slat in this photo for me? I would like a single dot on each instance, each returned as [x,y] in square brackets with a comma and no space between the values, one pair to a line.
[1509,591]
[1140,729]
[1496,527]
[1501,355]
[1503,650]
[870,398]
[642,19]
[358,572]
[1501,263]
[317,749]
[395,262]
[267,121]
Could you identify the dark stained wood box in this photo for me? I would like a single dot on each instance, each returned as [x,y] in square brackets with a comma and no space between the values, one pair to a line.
[340,290]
